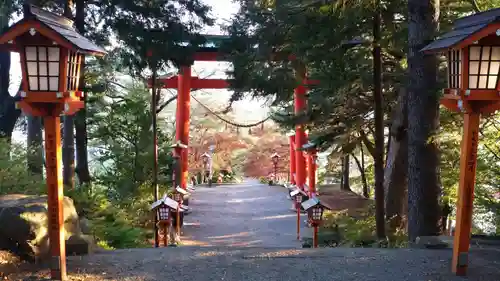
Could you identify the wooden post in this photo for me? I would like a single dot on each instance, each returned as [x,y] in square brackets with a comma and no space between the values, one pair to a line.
[165,234]
[468,160]
[183,115]
[178,223]
[315,237]
[53,155]
[292,160]
[298,221]
[311,159]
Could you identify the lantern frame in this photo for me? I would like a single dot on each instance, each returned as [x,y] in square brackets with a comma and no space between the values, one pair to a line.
[472,52]
[51,52]
[163,213]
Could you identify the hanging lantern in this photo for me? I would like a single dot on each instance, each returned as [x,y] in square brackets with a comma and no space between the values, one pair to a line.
[249,131]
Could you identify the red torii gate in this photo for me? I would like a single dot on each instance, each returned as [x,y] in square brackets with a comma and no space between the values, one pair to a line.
[184,82]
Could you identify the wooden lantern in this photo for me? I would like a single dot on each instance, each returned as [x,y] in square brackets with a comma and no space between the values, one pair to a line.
[51,53]
[315,210]
[472,49]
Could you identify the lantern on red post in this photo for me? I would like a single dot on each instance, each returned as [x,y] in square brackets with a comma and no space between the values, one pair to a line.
[178,196]
[298,196]
[472,49]
[51,52]
[315,210]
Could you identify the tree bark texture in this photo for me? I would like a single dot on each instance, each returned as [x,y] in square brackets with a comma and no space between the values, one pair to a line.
[396,169]
[345,173]
[8,112]
[423,121]
[379,124]
[361,169]
[35,146]
[68,152]
[82,160]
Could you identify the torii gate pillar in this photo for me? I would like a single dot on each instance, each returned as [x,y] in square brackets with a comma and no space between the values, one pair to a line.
[292,159]
[182,119]
[300,136]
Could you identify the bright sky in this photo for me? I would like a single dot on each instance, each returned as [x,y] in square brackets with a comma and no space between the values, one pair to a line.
[245,111]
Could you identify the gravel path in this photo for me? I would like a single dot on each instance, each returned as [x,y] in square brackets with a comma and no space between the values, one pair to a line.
[260,245]
[248,214]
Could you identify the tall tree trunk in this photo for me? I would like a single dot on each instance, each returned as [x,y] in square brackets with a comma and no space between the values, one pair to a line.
[366,191]
[379,124]
[68,152]
[68,149]
[8,112]
[82,161]
[423,121]
[345,173]
[363,175]
[396,169]
[35,147]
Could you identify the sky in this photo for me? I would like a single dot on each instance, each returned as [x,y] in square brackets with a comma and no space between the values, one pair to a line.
[245,111]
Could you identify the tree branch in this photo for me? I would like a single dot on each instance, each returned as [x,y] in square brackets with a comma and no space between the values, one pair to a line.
[369,145]
[165,104]
[475,6]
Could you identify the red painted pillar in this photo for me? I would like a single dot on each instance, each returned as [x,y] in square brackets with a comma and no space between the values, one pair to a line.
[311,159]
[292,159]
[300,136]
[183,115]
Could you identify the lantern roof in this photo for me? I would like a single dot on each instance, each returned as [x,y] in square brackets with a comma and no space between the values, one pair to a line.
[308,146]
[56,27]
[178,144]
[470,27]
[275,155]
[169,202]
[297,191]
[314,202]
[181,190]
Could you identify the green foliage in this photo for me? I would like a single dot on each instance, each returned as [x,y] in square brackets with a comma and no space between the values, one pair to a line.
[113,225]
[121,138]
[264,180]
[14,177]
[358,231]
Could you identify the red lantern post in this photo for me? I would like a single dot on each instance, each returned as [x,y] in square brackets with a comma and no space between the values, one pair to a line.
[51,53]
[473,52]
[315,210]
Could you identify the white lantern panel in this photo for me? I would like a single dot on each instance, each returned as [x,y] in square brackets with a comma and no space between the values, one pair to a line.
[32,68]
[475,52]
[494,67]
[54,83]
[474,67]
[44,84]
[495,53]
[484,68]
[42,67]
[53,68]
[31,53]
[42,53]
[482,82]
[54,54]
[473,81]
[492,81]
[485,55]
[33,83]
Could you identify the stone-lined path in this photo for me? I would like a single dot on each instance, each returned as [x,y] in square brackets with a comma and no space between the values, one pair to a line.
[246,214]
